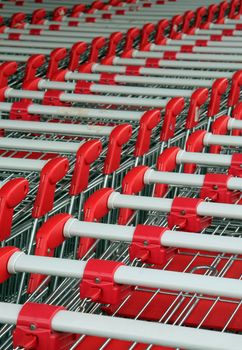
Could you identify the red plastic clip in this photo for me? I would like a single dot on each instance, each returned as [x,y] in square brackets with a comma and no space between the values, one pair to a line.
[14,36]
[234,94]
[11,194]
[215,187]
[119,136]
[219,127]
[198,98]
[50,175]
[38,16]
[169,55]
[173,108]
[235,5]
[162,26]
[48,238]
[19,111]
[5,255]
[148,122]
[83,87]
[133,70]
[107,78]
[186,48]
[146,245]
[184,215]
[98,282]
[33,329]
[53,98]
[95,208]
[236,165]
[152,62]
[6,70]
[86,155]
[165,162]
[219,88]
[133,183]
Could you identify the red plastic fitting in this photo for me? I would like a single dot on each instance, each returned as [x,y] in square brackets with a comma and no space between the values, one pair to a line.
[162,26]
[234,9]
[169,55]
[133,183]
[50,175]
[237,114]
[131,37]
[219,127]
[16,19]
[53,98]
[176,23]
[219,88]
[34,331]
[235,168]
[86,155]
[7,69]
[59,12]
[107,78]
[119,136]
[212,9]
[152,62]
[33,64]
[222,11]
[194,144]
[148,122]
[145,36]
[165,162]
[113,43]
[38,16]
[96,46]
[98,282]
[133,70]
[189,18]
[19,111]
[184,215]
[83,87]
[215,187]
[48,238]
[5,255]
[173,108]
[234,94]
[55,57]
[198,98]
[200,15]
[11,194]
[76,51]
[146,245]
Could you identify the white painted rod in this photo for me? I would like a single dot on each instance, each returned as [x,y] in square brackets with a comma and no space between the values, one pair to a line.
[176,239]
[127,329]
[39,145]
[220,210]
[56,128]
[234,124]
[222,140]
[180,179]
[134,276]
[17,164]
[205,159]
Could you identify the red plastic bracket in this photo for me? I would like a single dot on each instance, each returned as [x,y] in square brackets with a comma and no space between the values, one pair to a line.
[215,187]
[6,70]
[98,282]
[234,94]
[198,98]
[162,26]
[131,37]
[33,64]
[86,155]
[16,19]
[114,41]
[169,55]
[194,144]
[152,62]
[145,36]
[219,88]
[53,98]
[33,329]
[133,70]
[165,162]
[5,255]
[184,215]
[219,127]
[132,183]
[176,22]
[59,12]
[19,111]
[148,122]
[146,245]
[48,238]
[11,194]
[107,78]
[173,108]
[76,51]
[38,16]
[83,87]
[53,171]
[222,12]
[96,46]
[236,165]
[55,57]
[119,136]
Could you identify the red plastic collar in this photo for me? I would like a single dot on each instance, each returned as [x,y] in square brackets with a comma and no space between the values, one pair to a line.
[131,36]
[38,16]
[107,78]
[19,111]
[83,87]
[235,89]
[98,282]
[146,245]
[76,51]
[5,255]
[219,127]
[184,215]
[236,165]
[6,70]
[55,57]
[33,64]
[34,331]
[194,144]
[53,98]
[198,98]
[218,89]
[173,108]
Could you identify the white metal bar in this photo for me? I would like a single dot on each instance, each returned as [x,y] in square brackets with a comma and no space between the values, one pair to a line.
[22,164]
[207,159]
[234,124]
[222,140]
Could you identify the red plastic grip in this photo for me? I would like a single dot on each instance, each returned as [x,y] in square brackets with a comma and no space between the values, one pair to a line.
[146,245]
[215,187]
[38,16]
[76,51]
[86,155]
[11,194]
[176,22]
[98,282]
[131,37]
[148,122]
[55,57]
[83,87]
[119,136]
[145,36]
[59,12]
[237,114]
[165,162]
[114,41]
[235,168]
[48,238]
[96,46]
[19,110]
[198,98]
[160,32]
[34,331]
[107,78]
[194,144]
[5,255]
[16,19]
[219,88]
[6,70]
[184,215]
[189,17]
[50,175]
[234,94]
[33,64]
[173,108]
[53,98]
[219,127]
